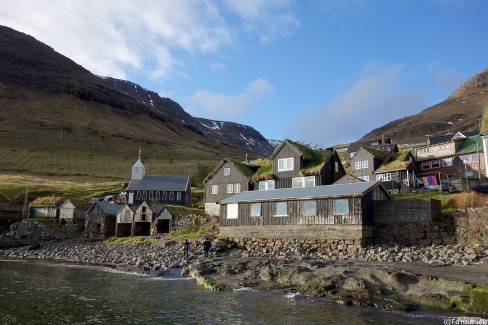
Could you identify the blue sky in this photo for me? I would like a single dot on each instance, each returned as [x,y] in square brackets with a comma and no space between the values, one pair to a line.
[326,72]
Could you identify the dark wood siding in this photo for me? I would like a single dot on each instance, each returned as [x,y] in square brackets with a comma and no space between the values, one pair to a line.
[283,179]
[236,176]
[325,213]
[360,156]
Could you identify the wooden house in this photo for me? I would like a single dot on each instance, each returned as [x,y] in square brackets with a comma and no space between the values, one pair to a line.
[450,156]
[144,217]
[45,207]
[230,177]
[164,189]
[382,143]
[166,220]
[366,160]
[73,210]
[342,211]
[101,220]
[295,165]
[398,175]
[125,221]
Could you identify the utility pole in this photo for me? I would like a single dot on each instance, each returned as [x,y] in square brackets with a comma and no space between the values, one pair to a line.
[61,135]
[26,200]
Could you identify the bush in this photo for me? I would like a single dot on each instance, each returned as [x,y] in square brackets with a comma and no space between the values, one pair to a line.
[467,200]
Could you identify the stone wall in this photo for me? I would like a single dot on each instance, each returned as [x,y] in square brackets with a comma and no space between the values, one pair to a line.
[414,233]
[471,226]
[187,222]
[400,211]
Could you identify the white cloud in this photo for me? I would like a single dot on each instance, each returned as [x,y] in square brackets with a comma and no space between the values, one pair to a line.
[449,78]
[373,100]
[116,37]
[220,107]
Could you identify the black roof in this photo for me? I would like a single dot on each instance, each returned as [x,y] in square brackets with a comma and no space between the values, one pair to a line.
[160,183]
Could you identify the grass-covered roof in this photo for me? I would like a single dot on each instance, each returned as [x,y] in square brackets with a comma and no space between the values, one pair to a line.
[47,201]
[246,169]
[264,172]
[399,161]
[178,210]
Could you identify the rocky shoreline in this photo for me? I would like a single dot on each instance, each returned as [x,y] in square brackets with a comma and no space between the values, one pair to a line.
[450,278]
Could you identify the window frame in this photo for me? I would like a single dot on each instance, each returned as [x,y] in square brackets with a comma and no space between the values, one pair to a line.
[425,165]
[314,208]
[286,164]
[230,188]
[226,171]
[364,164]
[253,210]
[343,210]
[215,189]
[232,211]
[303,180]
[437,163]
[178,196]
[444,164]
[266,185]
[237,188]
[282,204]
[171,196]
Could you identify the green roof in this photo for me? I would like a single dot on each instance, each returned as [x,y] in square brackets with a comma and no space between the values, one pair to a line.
[47,201]
[264,172]
[80,203]
[399,161]
[470,144]
[246,169]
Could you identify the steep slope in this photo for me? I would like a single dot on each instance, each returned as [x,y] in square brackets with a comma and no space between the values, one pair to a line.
[235,134]
[461,111]
[57,118]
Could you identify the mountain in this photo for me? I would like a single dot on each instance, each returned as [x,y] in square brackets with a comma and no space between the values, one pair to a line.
[58,119]
[235,134]
[461,111]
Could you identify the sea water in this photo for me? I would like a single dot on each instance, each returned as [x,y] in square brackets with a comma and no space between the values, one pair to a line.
[39,292]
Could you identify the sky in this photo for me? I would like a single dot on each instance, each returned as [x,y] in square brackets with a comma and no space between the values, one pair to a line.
[322,71]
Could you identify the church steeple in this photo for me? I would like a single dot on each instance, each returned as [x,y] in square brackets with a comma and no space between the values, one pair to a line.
[138,170]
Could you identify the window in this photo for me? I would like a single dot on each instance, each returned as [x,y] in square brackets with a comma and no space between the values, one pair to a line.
[364,164]
[336,167]
[255,209]
[237,188]
[383,177]
[310,207]
[151,194]
[357,165]
[435,164]
[158,196]
[364,178]
[178,196]
[230,188]
[465,159]
[285,164]
[281,209]
[215,189]
[447,162]
[226,171]
[341,206]
[424,150]
[143,214]
[266,185]
[138,195]
[445,146]
[165,196]
[232,211]
[308,181]
[144,195]
[171,196]
[475,157]
[425,164]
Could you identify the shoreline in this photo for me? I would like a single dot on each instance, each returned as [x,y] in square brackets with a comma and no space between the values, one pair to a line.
[401,286]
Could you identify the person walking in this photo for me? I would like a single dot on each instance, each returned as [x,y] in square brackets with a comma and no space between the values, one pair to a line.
[206,246]
[186,248]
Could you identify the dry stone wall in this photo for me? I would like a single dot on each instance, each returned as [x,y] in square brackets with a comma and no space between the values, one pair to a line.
[471,226]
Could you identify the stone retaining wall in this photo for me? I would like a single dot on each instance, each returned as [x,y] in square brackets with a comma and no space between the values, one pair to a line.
[411,210]
[187,222]
[471,226]
[414,233]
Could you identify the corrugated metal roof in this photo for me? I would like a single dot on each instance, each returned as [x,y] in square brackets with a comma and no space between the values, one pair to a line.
[303,192]
[160,183]
[110,208]
[470,145]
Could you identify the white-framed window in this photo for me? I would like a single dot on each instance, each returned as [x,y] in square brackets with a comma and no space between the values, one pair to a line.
[178,196]
[151,194]
[447,162]
[424,150]
[215,189]
[255,209]
[465,159]
[357,165]
[308,181]
[281,209]
[426,165]
[310,207]
[226,171]
[232,211]
[138,195]
[266,185]
[230,188]
[435,164]
[165,196]
[158,195]
[237,188]
[144,195]
[336,167]
[171,196]
[364,178]
[364,164]
[445,146]
[285,164]
[341,206]
[383,177]
[475,157]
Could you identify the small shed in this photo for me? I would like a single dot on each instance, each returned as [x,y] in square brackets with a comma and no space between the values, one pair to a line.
[101,220]
[125,221]
[342,211]
[45,207]
[73,210]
